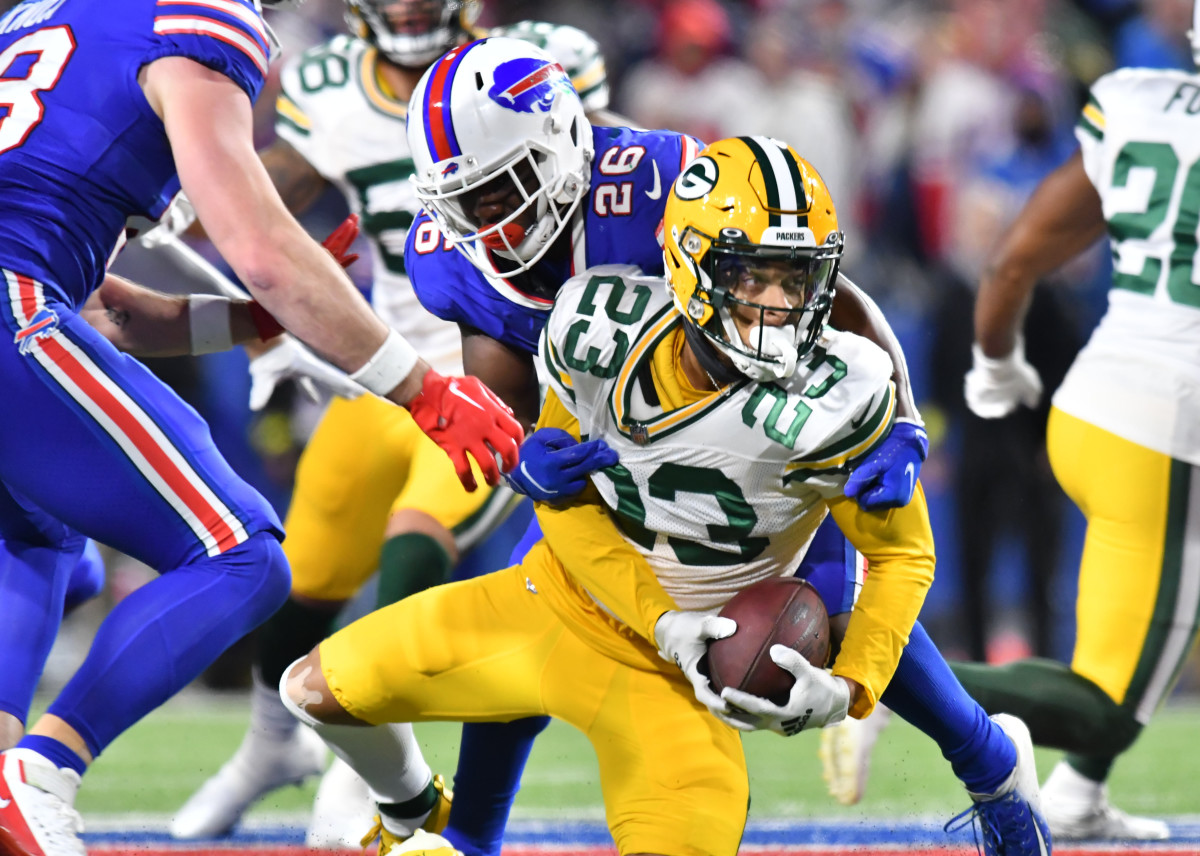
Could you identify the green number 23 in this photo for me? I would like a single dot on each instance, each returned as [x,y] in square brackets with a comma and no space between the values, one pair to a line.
[671,479]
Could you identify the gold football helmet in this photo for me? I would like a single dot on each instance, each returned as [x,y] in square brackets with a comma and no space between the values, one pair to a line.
[751,248]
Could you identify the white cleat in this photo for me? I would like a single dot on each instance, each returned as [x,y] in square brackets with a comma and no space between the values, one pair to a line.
[259,766]
[1078,808]
[423,843]
[342,809]
[37,807]
[845,753]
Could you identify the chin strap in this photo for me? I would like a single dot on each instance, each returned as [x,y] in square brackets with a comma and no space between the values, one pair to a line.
[720,371]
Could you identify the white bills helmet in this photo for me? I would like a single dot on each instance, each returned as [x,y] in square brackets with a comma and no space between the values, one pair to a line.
[498,110]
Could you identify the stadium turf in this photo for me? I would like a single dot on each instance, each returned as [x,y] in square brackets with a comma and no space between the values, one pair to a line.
[153,768]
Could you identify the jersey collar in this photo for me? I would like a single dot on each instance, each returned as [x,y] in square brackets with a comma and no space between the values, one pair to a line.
[621,401]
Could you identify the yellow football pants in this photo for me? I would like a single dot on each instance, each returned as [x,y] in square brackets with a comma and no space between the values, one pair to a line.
[366,459]
[673,777]
[1139,579]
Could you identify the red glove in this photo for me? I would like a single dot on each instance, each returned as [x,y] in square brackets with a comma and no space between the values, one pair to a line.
[340,240]
[463,416]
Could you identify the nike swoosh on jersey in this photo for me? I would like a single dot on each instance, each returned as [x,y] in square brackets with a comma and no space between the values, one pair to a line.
[5,803]
[854,423]
[656,191]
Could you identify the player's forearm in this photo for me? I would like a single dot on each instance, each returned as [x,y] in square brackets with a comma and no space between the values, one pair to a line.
[855,312]
[209,123]
[148,323]
[898,545]
[595,554]
[1062,217]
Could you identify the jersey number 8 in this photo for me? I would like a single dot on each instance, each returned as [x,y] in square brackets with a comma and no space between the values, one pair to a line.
[42,55]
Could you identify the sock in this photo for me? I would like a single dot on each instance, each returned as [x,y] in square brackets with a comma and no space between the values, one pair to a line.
[491,760]
[1062,709]
[386,756]
[1093,767]
[52,750]
[925,693]
[406,818]
[269,719]
[161,637]
[291,633]
[410,563]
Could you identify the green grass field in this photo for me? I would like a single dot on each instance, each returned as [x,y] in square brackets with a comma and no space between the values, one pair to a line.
[156,766]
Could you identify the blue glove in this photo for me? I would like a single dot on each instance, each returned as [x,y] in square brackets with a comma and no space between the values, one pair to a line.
[555,466]
[888,476]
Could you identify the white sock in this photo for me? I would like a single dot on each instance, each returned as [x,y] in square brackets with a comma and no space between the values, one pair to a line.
[269,717]
[1068,785]
[386,756]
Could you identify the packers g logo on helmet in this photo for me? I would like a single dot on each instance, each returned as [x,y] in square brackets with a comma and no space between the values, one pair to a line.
[698,179]
[750,237]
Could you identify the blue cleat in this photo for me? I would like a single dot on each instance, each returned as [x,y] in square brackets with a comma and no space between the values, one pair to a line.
[1010,820]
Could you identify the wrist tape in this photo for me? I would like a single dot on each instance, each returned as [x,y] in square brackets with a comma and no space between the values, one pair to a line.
[208,323]
[388,366]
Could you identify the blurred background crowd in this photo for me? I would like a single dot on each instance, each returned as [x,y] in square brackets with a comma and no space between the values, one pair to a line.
[931,122]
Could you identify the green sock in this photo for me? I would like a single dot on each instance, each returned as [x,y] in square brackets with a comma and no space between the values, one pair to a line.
[410,563]
[1062,709]
[291,633]
[1094,767]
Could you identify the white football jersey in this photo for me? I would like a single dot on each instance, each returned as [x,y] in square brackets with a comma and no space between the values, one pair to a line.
[333,112]
[1139,374]
[730,489]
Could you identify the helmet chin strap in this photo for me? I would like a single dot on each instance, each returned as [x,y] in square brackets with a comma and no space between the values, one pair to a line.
[719,371]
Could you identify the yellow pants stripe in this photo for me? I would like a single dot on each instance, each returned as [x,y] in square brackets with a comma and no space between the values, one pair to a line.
[1139,576]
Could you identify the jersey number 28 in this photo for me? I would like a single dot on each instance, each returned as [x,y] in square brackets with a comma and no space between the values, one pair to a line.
[42,55]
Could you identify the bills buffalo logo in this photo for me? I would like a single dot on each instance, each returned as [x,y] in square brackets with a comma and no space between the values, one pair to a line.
[528,85]
[42,325]
[449,169]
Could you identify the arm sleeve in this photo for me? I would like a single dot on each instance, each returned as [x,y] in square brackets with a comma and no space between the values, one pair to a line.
[898,545]
[595,553]
[231,39]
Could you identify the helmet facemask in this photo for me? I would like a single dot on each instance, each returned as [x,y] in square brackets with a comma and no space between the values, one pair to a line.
[781,295]
[551,196]
[433,27]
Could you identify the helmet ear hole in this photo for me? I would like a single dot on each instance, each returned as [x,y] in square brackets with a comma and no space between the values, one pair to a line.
[575,132]
[478,81]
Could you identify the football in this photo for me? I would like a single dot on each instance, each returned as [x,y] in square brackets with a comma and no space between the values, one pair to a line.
[777,611]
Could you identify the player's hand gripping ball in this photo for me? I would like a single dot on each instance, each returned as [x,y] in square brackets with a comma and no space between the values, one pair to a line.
[778,611]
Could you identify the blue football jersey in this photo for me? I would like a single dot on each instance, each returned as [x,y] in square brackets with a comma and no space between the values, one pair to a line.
[631,177]
[80,148]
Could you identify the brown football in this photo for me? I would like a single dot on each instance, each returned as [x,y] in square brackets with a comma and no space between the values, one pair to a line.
[777,611]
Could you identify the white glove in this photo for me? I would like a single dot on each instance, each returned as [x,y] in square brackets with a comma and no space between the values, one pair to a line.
[683,637]
[817,699]
[995,386]
[290,359]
